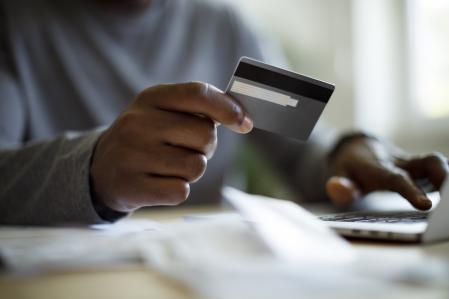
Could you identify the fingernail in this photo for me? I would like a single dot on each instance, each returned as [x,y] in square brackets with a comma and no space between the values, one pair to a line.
[426,203]
[345,182]
[247,125]
[342,191]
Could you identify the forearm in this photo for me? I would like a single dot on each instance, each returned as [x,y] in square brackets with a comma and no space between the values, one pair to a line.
[48,182]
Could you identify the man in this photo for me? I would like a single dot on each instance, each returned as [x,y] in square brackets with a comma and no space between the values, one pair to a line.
[67,70]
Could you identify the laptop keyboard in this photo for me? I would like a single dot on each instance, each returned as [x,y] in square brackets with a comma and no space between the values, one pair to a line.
[378,217]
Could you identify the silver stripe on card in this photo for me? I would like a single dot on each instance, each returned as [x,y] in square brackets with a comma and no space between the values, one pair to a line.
[263,94]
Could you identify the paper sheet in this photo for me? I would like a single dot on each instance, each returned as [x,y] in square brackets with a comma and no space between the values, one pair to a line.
[225,257]
[29,250]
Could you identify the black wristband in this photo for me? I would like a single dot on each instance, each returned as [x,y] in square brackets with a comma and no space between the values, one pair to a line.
[105,212]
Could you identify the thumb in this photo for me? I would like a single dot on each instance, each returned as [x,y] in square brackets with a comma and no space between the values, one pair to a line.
[342,191]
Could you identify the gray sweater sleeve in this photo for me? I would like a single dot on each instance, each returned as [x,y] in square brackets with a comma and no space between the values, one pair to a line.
[48,182]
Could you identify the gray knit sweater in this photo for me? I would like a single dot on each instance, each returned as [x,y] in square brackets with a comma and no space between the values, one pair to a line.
[67,69]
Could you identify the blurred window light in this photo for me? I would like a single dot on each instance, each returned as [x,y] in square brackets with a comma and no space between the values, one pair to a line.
[429,57]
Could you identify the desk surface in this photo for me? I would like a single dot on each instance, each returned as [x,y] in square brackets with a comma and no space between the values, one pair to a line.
[140,282]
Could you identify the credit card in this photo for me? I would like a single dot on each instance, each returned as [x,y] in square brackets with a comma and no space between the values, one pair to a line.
[278,100]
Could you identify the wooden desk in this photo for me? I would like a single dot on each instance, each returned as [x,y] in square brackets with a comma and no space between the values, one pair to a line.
[140,282]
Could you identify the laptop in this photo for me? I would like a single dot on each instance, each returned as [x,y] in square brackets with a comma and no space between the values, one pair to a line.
[402,226]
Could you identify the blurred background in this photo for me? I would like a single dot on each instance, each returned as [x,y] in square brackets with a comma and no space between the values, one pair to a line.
[389,60]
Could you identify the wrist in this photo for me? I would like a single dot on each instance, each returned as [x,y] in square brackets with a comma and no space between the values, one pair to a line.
[348,139]
[104,212]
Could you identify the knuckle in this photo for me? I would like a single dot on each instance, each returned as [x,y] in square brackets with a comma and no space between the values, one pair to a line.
[184,190]
[143,96]
[396,179]
[126,123]
[208,135]
[234,114]
[173,192]
[211,146]
[180,193]
[197,166]
[147,92]
[153,96]
[198,88]
[435,158]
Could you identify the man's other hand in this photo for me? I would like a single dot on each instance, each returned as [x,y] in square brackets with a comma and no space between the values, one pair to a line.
[364,165]
[160,144]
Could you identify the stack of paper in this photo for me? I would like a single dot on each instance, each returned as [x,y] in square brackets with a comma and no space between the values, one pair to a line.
[266,249]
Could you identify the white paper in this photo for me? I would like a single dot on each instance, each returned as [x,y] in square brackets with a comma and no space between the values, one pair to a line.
[228,257]
[29,250]
[291,232]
